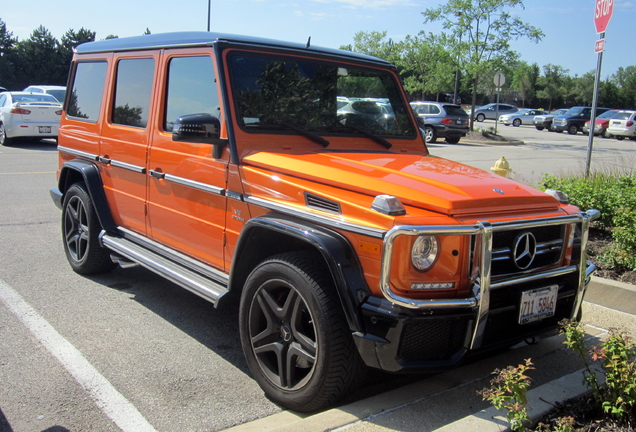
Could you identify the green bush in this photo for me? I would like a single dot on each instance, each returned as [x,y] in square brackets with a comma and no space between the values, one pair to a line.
[614,196]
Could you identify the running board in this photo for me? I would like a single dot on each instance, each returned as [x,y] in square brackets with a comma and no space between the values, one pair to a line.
[182,276]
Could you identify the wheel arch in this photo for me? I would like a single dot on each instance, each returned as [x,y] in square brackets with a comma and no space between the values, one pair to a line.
[79,170]
[286,234]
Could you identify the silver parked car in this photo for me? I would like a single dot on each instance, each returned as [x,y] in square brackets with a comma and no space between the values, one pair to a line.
[441,120]
[524,116]
[28,115]
[545,121]
[491,111]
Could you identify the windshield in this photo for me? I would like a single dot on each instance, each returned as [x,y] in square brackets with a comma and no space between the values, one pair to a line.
[575,111]
[274,92]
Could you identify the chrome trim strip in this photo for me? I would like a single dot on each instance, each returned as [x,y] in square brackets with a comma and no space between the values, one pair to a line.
[562,271]
[331,221]
[128,166]
[194,184]
[483,295]
[173,255]
[77,152]
[234,195]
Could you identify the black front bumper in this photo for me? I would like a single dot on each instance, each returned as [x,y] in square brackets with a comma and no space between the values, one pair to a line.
[400,339]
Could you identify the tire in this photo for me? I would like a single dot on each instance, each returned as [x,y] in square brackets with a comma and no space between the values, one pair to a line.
[516,122]
[295,337]
[539,128]
[4,140]
[429,134]
[452,140]
[605,134]
[620,137]
[558,131]
[480,117]
[80,231]
[573,129]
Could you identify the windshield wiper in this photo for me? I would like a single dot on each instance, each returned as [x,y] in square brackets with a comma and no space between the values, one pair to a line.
[366,133]
[312,136]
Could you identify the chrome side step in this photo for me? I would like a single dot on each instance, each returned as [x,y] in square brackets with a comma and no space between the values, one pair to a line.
[171,270]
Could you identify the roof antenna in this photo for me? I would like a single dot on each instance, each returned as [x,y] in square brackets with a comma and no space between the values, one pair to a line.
[308,42]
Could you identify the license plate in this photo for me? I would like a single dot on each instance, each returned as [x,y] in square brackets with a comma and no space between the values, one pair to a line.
[537,304]
[459,122]
[44,129]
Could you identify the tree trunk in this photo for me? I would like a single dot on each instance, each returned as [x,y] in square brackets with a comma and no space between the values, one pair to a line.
[474,103]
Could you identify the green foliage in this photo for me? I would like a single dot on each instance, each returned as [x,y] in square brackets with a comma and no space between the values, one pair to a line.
[616,360]
[508,391]
[614,195]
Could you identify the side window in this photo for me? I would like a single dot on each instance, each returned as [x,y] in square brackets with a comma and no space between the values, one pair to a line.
[434,109]
[3,99]
[191,89]
[87,91]
[133,90]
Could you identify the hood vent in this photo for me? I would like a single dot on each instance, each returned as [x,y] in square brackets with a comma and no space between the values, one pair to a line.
[319,203]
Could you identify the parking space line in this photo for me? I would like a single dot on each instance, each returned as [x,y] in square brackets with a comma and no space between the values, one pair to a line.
[105,396]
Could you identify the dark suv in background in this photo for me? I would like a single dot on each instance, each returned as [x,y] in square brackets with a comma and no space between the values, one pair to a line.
[441,120]
[574,120]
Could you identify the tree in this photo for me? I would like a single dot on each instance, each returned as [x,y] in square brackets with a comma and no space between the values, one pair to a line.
[625,79]
[375,43]
[69,41]
[38,58]
[524,80]
[479,33]
[552,83]
[7,57]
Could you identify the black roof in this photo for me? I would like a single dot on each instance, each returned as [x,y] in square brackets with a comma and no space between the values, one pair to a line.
[194,39]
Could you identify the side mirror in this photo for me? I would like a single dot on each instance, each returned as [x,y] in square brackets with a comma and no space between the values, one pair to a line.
[199,128]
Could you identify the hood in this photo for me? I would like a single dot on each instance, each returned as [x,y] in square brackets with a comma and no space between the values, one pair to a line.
[428,182]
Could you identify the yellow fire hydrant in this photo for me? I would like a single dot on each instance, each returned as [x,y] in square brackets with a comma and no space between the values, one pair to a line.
[502,167]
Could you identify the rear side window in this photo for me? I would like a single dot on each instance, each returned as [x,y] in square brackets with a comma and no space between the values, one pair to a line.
[434,109]
[87,91]
[191,89]
[133,90]
[455,110]
[622,116]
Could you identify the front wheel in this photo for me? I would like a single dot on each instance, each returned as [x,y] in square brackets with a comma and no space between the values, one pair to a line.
[539,128]
[294,334]
[573,129]
[429,134]
[516,122]
[80,231]
[620,137]
[480,117]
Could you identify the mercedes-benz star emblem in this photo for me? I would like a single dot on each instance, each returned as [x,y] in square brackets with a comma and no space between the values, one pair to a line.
[524,250]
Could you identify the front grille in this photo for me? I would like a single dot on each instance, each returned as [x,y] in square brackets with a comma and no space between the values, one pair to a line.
[549,242]
[432,340]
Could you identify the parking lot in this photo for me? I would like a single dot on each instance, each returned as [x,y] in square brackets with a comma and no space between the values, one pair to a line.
[130,351]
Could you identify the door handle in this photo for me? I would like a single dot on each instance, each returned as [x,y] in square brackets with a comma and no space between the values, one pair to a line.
[157,174]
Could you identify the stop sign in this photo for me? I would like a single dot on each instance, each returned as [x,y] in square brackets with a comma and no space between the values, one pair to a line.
[602,14]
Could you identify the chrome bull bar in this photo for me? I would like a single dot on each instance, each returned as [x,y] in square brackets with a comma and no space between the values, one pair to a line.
[483,231]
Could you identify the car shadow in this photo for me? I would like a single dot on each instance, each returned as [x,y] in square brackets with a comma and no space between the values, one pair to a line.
[32,144]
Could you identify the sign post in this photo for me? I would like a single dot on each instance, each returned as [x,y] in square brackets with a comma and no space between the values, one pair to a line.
[499,81]
[602,14]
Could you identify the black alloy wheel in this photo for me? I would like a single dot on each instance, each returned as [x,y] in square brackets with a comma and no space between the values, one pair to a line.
[295,338]
[573,129]
[80,231]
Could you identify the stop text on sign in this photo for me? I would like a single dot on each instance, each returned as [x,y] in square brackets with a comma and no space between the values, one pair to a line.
[602,14]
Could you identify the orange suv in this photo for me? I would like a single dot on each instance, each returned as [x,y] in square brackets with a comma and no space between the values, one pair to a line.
[221,163]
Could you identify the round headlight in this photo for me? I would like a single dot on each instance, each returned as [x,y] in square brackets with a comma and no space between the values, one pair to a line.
[424,252]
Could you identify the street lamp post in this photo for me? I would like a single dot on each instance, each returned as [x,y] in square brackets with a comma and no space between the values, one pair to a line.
[209,7]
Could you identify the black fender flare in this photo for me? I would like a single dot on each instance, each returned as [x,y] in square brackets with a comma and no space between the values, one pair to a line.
[89,172]
[335,249]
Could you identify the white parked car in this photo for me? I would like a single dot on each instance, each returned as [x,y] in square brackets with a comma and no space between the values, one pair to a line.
[523,116]
[623,125]
[58,92]
[28,115]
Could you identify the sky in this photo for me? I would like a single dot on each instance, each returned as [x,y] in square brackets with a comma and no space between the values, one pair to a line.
[568,25]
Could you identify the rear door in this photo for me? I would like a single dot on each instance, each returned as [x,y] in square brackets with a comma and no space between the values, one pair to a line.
[126,136]
[186,194]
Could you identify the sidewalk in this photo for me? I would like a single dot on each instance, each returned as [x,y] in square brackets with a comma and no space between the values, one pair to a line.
[444,403]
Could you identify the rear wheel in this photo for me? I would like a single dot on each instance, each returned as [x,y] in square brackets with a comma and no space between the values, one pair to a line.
[294,334]
[4,140]
[516,122]
[80,231]
[573,129]
[429,134]
[452,140]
